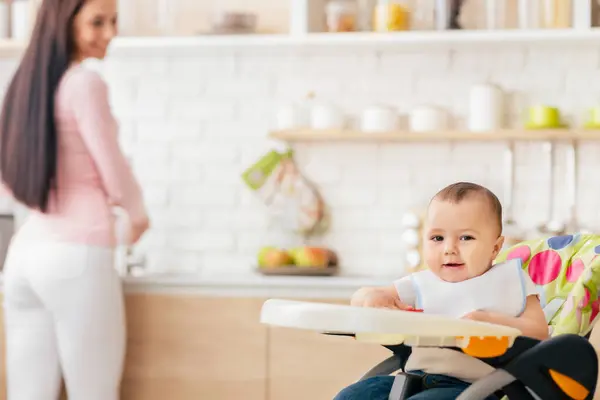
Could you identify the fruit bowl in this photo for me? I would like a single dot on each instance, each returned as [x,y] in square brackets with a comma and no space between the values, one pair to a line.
[301,261]
[298,271]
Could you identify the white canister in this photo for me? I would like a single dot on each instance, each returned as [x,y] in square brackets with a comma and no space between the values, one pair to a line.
[291,116]
[411,238]
[379,119]
[411,221]
[413,258]
[326,116]
[486,108]
[428,118]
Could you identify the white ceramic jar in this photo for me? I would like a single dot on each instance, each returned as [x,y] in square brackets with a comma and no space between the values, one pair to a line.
[291,116]
[326,116]
[427,118]
[379,119]
[486,108]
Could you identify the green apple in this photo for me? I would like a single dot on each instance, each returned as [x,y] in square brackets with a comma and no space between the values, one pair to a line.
[293,251]
[273,257]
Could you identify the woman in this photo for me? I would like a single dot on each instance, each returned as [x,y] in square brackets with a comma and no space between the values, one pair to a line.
[59,156]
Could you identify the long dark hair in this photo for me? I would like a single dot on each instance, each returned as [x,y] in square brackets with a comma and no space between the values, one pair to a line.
[28,142]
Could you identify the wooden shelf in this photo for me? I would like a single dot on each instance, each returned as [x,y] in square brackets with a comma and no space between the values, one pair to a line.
[500,36]
[370,40]
[398,41]
[308,135]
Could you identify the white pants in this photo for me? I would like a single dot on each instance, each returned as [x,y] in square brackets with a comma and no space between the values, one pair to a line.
[64,312]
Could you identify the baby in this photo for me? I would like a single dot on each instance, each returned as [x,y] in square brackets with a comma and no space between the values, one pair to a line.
[463,235]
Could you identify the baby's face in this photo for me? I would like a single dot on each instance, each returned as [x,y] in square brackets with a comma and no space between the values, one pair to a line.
[461,240]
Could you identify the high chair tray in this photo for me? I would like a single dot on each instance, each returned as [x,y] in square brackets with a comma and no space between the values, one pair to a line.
[383,326]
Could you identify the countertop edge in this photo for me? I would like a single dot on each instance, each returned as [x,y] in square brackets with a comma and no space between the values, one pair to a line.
[250,285]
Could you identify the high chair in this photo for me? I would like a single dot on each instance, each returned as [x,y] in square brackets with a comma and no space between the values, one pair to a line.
[566,270]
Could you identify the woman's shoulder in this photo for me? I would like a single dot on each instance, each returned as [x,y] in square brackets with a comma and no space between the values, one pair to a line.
[82,76]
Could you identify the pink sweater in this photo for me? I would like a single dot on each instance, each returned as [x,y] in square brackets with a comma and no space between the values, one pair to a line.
[92,173]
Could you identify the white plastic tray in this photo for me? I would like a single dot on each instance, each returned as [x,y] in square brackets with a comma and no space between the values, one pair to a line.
[381,326]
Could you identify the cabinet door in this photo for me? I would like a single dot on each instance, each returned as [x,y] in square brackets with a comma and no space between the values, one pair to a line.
[308,365]
[190,348]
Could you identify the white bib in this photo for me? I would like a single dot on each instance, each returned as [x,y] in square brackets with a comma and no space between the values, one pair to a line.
[501,289]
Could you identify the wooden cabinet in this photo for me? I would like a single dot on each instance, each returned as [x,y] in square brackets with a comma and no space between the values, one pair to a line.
[193,347]
[189,347]
[307,365]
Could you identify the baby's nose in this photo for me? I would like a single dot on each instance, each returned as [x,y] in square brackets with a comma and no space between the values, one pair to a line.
[450,247]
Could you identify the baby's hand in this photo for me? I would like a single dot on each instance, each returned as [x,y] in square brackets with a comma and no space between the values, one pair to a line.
[380,299]
[478,315]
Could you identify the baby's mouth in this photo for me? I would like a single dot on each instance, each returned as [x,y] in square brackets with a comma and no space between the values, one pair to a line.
[453,265]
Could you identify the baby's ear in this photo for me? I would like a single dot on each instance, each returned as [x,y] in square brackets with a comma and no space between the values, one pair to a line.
[498,245]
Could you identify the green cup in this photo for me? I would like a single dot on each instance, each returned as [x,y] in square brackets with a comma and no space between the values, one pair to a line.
[543,117]
[593,120]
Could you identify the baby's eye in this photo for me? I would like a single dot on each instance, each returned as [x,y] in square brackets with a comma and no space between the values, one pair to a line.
[437,238]
[467,237]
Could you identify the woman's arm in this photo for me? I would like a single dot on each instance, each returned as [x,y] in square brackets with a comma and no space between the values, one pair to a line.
[531,323]
[88,96]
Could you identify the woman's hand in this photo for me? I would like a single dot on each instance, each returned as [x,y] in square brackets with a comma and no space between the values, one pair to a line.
[138,229]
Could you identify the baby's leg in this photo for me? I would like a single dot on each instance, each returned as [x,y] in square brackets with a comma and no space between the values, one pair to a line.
[374,388]
[445,393]
[439,387]
[443,389]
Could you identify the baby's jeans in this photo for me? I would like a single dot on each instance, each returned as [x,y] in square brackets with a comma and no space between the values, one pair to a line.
[437,387]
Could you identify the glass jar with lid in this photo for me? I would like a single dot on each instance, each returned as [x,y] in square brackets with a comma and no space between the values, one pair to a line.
[392,15]
[341,15]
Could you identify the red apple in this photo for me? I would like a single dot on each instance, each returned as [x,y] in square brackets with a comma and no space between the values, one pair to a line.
[311,257]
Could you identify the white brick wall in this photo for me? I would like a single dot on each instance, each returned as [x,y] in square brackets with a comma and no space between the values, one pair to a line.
[193,122]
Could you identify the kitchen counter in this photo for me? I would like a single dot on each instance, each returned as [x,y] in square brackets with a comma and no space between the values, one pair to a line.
[251,285]
[202,338]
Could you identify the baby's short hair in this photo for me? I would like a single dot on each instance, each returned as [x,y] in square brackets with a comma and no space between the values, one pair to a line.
[458,191]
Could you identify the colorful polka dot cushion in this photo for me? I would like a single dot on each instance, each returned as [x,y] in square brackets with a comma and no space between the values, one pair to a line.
[567,272]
